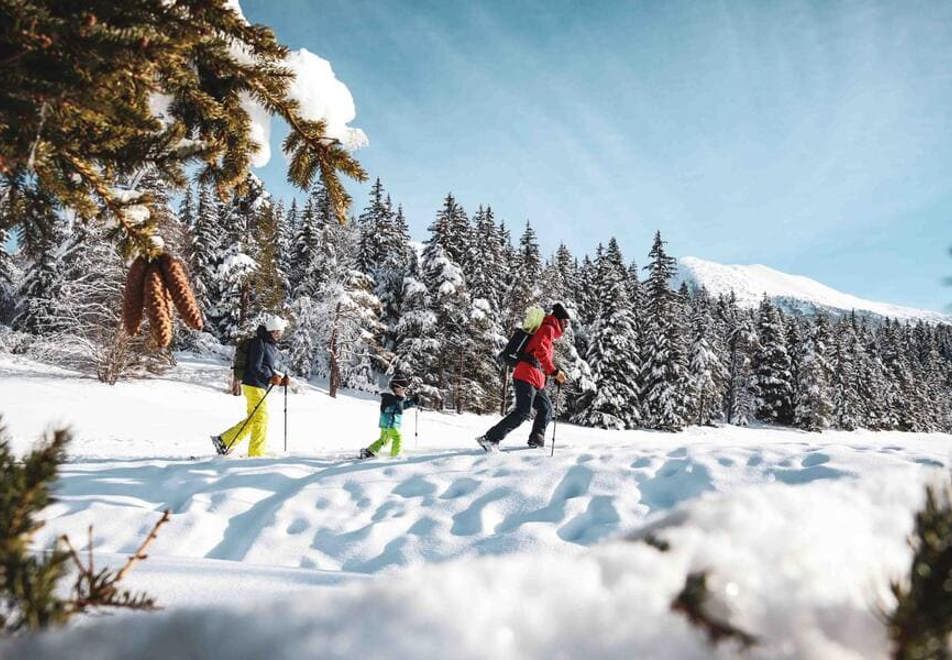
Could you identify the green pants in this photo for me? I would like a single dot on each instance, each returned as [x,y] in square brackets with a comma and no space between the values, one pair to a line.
[386,435]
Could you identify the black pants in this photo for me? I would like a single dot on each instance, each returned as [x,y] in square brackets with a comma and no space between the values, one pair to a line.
[527,398]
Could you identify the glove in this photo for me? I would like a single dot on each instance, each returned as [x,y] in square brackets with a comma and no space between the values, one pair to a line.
[415,399]
[560,377]
[285,381]
[276,379]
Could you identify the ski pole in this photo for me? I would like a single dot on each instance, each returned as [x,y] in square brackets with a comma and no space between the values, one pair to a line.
[555,416]
[285,417]
[248,419]
[416,427]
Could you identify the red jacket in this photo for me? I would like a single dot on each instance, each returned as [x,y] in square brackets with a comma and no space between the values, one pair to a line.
[540,347]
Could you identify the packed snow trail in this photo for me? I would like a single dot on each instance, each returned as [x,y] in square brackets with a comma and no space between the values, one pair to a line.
[801,532]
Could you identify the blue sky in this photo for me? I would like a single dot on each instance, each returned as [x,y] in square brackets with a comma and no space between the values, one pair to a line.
[813,137]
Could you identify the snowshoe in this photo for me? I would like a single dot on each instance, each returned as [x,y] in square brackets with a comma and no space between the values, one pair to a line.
[219,445]
[488,446]
[536,441]
[366,453]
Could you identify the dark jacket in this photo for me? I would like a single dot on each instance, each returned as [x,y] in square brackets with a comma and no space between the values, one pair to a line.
[540,346]
[391,409]
[264,360]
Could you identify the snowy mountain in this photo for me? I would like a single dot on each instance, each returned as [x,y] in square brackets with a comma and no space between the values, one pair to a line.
[793,293]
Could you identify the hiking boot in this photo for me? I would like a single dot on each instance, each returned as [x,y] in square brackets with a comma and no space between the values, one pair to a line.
[536,440]
[366,453]
[488,446]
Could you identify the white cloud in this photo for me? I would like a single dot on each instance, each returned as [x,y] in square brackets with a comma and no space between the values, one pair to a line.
[319,92]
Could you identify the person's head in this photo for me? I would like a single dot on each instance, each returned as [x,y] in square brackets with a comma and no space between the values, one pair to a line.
[561,315]
[275,326]
[399,385]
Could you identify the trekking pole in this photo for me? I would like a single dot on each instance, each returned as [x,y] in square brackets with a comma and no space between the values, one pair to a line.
[555,417]
[285,418]
[248,419]
[416,427]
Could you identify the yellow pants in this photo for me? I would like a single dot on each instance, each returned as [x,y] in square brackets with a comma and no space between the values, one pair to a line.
[257,426]
[387,435]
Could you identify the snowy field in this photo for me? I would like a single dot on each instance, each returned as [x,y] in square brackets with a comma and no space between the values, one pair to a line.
[448,552]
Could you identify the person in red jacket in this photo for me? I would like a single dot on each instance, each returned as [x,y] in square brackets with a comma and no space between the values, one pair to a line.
[528,383]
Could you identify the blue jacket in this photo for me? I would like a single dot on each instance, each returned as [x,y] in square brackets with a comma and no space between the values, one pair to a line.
[264,360]
[391,410]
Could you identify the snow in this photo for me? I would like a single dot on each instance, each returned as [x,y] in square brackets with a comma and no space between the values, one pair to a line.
[751,282]
[510,555]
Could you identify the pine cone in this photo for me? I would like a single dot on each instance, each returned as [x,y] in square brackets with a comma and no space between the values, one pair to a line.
[157,306]
[175,276]
[132,298]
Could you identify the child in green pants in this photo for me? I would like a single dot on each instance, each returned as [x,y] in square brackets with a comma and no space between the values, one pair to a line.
[392,406]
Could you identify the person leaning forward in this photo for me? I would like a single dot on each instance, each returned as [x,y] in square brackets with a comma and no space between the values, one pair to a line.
[528,382]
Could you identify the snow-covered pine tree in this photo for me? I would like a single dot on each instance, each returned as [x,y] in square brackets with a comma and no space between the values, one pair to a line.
[739,400]
[707,377]
[771,365]
[269,282]
[375,228]
[526,287]
[307,272]
[664,364]
[847,407]
[905,397]
[206,250]
[287,230]
[8,276]
[813,407]
[417,345]
[451,305]
[40,289]
[451,231]
[875,390]
[241,277]
[484,271]
[612,338]
[477,386]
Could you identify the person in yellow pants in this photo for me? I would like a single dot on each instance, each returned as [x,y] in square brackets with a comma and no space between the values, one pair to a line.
[392,406]
[260,369]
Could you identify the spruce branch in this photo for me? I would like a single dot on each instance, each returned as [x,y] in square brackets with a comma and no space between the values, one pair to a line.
[691,602]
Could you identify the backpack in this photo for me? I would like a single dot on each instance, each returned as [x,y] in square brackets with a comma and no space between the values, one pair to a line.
[512,354]
[241,357]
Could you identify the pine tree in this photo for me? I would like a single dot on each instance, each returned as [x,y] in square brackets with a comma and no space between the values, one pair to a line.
[813,409]
[450,303]
[707,375]
[847,406]
[41,287]
[451,232]
[665,380]
[739,400]
[771,367]
[417,345]
[526,287]
[612,339]
[375,225]
[206,255]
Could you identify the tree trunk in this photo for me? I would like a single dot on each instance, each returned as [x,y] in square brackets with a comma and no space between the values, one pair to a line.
[332,349]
